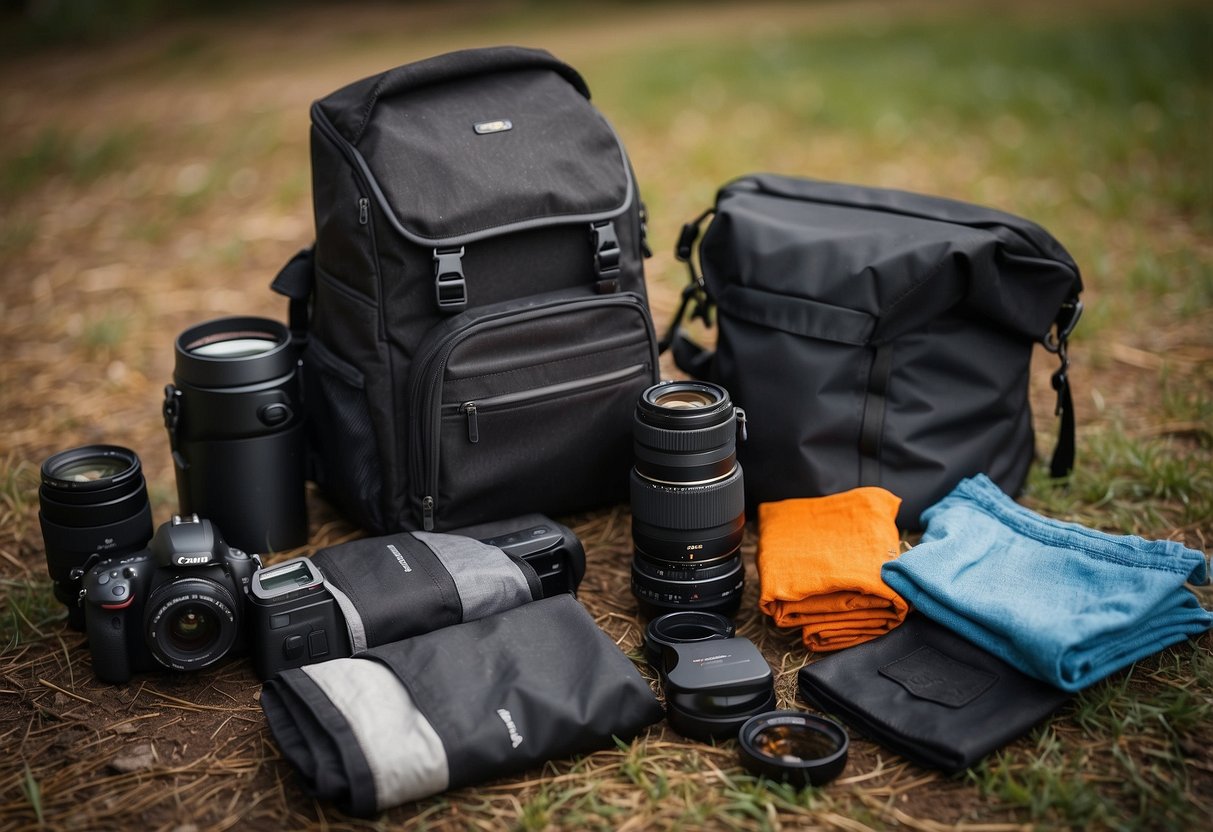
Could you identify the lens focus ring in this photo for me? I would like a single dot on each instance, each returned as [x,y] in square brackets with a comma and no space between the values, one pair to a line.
[690,439]
[720,593]
[688,506]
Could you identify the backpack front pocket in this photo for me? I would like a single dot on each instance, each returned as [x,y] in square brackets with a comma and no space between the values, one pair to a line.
[527,407]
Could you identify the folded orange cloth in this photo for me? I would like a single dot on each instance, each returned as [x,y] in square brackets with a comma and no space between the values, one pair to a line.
[819,562]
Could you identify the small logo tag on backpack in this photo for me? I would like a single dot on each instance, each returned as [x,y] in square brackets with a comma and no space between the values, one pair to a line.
[498,126]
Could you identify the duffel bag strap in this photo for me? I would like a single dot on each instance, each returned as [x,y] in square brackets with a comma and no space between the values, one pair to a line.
[294,280]
[1056,342]
[690,357]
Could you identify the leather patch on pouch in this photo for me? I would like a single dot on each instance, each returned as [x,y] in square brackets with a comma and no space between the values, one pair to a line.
[930,675]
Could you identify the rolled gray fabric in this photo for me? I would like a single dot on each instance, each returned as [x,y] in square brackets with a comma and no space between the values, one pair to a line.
[458,706]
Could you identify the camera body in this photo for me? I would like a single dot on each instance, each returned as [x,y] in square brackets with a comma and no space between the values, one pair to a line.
[179,604]
[296,614]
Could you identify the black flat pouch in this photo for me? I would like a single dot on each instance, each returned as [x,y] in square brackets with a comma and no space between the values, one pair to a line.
[457,706]
[929,695]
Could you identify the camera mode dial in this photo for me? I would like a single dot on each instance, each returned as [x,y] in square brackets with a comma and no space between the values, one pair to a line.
[109,585]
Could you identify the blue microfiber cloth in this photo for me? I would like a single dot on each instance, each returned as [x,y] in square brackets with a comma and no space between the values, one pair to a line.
[1061,602]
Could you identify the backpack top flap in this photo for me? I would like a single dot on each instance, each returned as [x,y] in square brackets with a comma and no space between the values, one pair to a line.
[868,264]
[479,142]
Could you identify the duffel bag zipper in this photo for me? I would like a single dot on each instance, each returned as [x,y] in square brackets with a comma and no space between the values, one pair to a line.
[472,409]
[435,361]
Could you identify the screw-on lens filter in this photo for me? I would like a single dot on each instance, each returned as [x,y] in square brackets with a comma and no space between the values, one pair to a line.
[795,747]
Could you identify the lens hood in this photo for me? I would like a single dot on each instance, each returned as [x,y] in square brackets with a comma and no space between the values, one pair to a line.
[712,687]
[199,367]
[795,747]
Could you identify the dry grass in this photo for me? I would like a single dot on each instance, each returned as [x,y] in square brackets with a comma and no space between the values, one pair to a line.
[154,183]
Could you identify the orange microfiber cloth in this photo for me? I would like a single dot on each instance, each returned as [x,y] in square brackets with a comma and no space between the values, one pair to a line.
[819,561]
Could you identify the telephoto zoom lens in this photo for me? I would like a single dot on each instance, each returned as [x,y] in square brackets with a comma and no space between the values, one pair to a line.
[688,499]
[93,501]
[235,422]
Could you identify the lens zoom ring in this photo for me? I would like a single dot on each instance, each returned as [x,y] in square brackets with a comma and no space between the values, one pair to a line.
[688,507]
[697,439]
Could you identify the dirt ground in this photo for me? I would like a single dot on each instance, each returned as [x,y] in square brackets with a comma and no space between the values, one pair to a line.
[174,186]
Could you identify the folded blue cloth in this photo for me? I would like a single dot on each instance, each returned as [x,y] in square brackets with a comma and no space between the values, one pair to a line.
[1061,602]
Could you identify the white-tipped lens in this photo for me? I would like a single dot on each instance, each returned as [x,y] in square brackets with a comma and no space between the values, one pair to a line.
[234,348]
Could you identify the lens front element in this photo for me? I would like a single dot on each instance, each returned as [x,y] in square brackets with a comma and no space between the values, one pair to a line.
[684,399]
[192,628]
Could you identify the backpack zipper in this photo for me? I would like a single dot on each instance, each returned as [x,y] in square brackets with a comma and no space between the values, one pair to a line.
[472,409]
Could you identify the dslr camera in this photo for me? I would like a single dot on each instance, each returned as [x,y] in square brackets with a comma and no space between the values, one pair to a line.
[307,610]
[179,604]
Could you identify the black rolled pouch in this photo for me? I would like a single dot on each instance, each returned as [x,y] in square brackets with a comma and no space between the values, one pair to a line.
[402,585]
[929,695]
[457,706]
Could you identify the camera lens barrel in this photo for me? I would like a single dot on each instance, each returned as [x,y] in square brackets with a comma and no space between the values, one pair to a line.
[235,421]
[92,500]
[688,499]
[697,523]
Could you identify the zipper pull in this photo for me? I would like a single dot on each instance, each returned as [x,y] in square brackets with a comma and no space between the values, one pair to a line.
[364,208]
[427,514]
[473,429]
[742,434]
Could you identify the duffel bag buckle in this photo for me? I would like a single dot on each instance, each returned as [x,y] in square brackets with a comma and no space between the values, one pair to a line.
[1067,319]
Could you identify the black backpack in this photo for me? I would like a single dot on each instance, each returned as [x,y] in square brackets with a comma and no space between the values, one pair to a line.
[877,337]
[475,325]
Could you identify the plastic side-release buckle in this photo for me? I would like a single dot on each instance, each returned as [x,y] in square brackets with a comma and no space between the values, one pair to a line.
[450,288]
[1067,318]
[606,255]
